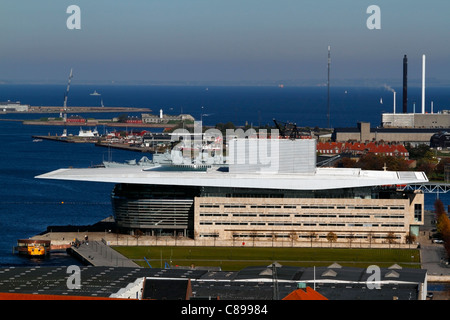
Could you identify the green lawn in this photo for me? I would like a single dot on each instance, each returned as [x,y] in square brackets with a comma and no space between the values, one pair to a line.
[236,258]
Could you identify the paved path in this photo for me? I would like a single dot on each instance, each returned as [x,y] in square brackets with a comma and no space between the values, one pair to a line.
[432,254]
[98,254]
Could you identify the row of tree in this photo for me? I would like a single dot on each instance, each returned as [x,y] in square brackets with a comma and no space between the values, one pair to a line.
[443,225]
[424,156]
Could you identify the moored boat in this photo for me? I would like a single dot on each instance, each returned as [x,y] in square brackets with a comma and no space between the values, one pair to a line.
[33,248]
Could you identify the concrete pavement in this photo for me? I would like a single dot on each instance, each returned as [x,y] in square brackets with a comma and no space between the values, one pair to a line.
[98,253]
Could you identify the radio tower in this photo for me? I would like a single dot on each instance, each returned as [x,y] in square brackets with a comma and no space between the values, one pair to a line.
[65,104]
[328,85]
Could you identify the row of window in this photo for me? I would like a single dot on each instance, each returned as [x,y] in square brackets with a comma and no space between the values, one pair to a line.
[305,224]
[308,237]
[305,215]
[368,207]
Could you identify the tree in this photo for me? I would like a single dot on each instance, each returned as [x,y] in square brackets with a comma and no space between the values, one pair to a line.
[312,236]
[137,234]
[396,163]
[390,238]
[351,237]
[293,236]
[439,170]
[410,238]
[331,237]
[347,163]
[443,225]
[371,161]
[426,166]
[122,118]
[422,151]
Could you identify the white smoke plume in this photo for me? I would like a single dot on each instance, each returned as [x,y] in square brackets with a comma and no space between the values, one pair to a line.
[388,88]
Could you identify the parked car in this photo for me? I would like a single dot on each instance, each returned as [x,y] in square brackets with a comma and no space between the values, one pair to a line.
[438,241]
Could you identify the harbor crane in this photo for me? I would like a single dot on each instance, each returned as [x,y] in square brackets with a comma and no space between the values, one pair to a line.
[290,130]
[65,103]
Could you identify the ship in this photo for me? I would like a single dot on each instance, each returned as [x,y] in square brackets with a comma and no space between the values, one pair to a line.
[170,161]
[33,248]
[88,133]
[143,162]
[95,93]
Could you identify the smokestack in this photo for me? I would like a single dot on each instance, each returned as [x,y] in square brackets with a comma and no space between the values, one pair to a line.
[405,84]
[394,100]
[328,85]
[423,84]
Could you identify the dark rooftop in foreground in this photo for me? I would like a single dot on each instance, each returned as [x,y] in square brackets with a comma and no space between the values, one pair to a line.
[252,283]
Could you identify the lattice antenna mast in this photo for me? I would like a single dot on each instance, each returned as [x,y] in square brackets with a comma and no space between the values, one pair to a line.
[65,103]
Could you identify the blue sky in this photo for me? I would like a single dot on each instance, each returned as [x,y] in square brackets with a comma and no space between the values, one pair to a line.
[222,40]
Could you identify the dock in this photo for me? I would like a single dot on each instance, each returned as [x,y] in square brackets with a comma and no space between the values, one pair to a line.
[66,139]
[99,254]
[126,146]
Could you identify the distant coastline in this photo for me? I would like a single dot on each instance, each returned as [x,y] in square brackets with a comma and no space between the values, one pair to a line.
[319,82]
[57,109]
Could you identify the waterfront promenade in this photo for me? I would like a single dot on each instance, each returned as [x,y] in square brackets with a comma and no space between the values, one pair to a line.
[98,253]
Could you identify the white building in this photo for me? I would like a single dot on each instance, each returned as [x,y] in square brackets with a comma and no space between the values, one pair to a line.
[271,198]
[9,106]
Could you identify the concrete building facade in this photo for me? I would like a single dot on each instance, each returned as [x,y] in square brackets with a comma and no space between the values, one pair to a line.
[359,218]
[262,203]
[416,120]
[165,118]
[365,133]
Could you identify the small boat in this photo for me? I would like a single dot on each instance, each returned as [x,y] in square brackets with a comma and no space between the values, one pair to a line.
[95,93]
[33,248]
[37,140]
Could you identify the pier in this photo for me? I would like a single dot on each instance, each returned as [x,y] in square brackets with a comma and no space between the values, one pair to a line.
[72,139]
[99,254]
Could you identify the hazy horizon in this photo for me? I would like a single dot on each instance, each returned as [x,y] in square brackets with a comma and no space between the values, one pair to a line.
[234,42]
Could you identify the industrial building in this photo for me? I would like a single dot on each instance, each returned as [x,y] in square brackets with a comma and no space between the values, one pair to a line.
[364,133]
[440,140]
[165,118]
[9,106]
[402,127]
[435,121]
[279,195]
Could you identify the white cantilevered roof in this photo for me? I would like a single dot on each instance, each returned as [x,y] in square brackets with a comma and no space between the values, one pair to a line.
[322,179]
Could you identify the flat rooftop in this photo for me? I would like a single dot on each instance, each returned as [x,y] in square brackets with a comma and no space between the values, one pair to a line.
[320,179]
[253,283]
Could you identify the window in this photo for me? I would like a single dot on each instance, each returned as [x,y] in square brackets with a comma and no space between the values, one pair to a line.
[418,212]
